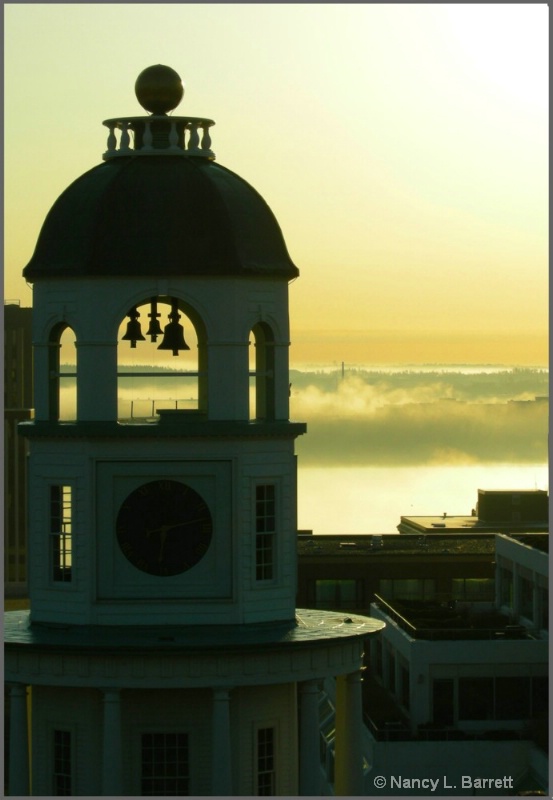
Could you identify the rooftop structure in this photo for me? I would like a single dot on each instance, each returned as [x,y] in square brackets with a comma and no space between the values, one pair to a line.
[471,676]
[18,402]
[496,511]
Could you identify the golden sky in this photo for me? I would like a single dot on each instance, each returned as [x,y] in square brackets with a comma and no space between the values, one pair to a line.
[402,148]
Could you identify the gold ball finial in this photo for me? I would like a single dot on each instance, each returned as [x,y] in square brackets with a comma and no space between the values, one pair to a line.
[159,89]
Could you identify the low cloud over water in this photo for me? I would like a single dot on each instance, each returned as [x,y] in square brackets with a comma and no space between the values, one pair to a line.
[388,417]
[403,418]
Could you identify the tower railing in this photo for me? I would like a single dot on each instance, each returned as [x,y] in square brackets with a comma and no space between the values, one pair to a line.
[157,135]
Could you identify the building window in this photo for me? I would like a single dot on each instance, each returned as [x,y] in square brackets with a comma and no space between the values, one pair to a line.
[165,764]
[61,532]
[262,373]
[512,698]
[543,599]
[443,702]
[404,685]
[540,695]
[506,584]
[378,665]
[407,588]
[391,672]
[335,594]
[490,698]
[476,700]
[62,763]
[526,598]
[265,526]
[265,772]
[472,589]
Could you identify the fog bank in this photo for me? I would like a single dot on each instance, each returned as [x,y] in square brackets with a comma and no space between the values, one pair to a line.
[419,418]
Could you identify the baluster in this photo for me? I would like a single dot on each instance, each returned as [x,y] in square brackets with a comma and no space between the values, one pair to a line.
[125,138]
[194,139]
[206,138]
[148,138]
[112,139]
[173,136]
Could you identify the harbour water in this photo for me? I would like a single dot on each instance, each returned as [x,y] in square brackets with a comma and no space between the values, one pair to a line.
[390,441]
[356,500]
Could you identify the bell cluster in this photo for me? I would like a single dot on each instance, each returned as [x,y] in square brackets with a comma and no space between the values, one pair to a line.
[173,333]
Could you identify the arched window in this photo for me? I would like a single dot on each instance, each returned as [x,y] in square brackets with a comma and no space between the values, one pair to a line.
[262,404]
[160,356]
[62,369]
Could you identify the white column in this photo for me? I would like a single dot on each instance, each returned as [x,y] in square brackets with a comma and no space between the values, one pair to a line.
[112,784]
[221,763]
[228,381]
[282,380]
[97,385]
[19,742]
[41,380]
[309,777]
[349,736]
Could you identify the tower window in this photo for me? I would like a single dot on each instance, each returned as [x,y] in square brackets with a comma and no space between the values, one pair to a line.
[165,764]
[62,763]
[263,372]
[61,532]
[265,775]
[265,524]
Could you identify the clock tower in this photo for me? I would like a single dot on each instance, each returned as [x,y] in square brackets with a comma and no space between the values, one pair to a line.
[163,647]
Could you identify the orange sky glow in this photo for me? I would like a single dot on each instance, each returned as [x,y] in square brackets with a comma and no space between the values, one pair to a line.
[403,149]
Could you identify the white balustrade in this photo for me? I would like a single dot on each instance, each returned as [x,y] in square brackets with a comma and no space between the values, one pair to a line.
[194,139]
[206,138]
[148,137]
[124,144]
[173,136]
[181,136]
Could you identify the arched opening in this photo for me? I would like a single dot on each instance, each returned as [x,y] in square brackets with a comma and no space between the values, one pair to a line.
[62,371]
[161,350]
[262,373]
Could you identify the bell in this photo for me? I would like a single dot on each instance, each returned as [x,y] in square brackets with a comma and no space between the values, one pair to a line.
[134,333]
[154,329]
[173,336]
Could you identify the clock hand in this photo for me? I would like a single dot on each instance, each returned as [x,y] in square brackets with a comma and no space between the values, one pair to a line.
[163,530]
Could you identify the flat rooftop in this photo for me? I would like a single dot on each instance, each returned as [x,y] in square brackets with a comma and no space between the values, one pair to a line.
[380,546]
[429,619]
[437,543]
[473,524]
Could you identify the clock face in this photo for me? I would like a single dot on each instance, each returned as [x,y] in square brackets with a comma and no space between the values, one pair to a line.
[164,527]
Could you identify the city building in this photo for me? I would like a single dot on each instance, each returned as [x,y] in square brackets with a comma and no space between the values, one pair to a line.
[471,678]
[163,653]
[347,572]
[458,681]
[18,402]
[505,511]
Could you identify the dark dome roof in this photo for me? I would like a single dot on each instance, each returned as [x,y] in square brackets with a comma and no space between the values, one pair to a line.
[164,215]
